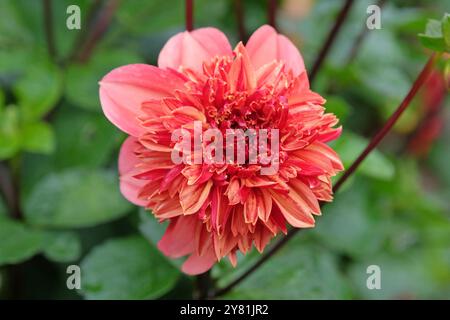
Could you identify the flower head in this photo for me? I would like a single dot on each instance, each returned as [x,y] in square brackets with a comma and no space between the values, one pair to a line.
[218,208]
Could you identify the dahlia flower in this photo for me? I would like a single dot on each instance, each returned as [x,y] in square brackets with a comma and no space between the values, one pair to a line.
[217,209]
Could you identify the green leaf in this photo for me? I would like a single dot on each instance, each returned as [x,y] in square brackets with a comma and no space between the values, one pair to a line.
[9,132]
[76,198]
[62,246]
[93,144]
[84,78]
[437,34]
[376,165]
[13,33]
[38,137]
[38,90]
[433,29]
[126,268]
[300,270]
[18,242]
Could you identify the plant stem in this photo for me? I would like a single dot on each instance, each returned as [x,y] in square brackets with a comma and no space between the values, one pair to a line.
[272,13]
[330,39]
[240,20]
[9,186]
[189,15]
[10,190]
[360,37]
[373,143]
[82,33]
[391,121]
[98,30]
[48,26]
[204,286]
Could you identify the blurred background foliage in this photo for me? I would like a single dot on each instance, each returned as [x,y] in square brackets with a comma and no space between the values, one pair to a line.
[60,154]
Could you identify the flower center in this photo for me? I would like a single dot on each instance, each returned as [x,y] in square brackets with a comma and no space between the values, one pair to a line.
[264,107]
[250,109]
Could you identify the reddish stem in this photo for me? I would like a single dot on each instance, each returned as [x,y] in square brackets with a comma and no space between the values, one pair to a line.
[48,25]
[8,190]
[98,30]
[83,33]
[330,39]
[272,12]
[189,15]
[390,123]
[240,20]
[375,141]
[204,286]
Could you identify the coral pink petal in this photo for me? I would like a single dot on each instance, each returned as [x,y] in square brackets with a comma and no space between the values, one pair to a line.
[124,89]
[294,209]
[130,186]
[191,49]
[197,264]
[178,240]
[266,45]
